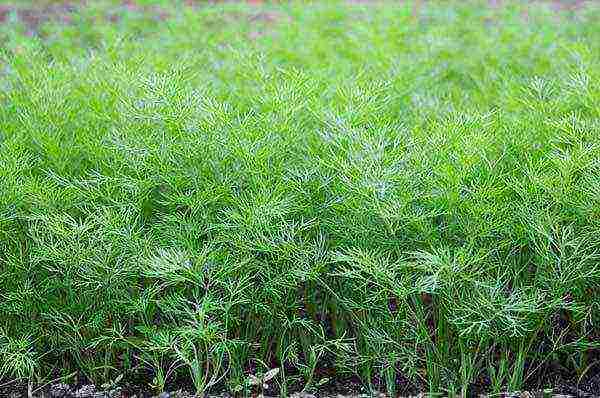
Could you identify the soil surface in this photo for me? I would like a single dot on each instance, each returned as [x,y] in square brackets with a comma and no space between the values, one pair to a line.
[33,15]
[60,390]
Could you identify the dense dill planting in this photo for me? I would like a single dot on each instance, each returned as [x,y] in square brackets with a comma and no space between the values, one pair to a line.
[334,185]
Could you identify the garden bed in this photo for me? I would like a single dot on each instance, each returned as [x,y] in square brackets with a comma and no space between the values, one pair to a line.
[339,197]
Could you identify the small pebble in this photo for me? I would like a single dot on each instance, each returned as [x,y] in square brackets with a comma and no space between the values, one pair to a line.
[115,393]
[86,391]
[59,390]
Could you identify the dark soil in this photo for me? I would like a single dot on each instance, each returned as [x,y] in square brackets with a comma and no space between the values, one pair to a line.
[90,391]
[562,387]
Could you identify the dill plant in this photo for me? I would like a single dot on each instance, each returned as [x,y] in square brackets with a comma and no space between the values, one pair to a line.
[348,188]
